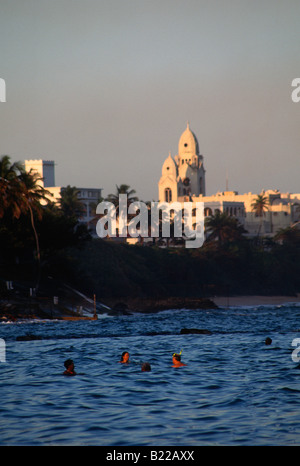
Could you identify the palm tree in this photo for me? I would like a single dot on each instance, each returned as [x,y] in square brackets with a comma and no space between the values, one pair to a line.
[21,192]
[69,203]
[8,171]
[114,199]
[259,206]
[223,228]
[31,194]
[9,197]
[289,235]
[122,189]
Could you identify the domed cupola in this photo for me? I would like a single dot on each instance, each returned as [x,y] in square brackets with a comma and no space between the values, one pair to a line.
[183,175]
[169,167]
[188,143]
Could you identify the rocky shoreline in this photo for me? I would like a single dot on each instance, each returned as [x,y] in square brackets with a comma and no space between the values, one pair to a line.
[79,307]
[21,309]
[84,309]
[74,305]
[150,305]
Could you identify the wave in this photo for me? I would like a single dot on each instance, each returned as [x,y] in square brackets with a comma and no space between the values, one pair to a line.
[255,307]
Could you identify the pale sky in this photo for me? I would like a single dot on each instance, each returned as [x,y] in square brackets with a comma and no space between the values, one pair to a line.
[105,89]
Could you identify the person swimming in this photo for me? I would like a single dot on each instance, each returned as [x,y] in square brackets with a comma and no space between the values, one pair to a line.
[177,360]
[124,358]
[146,367]
[69,365]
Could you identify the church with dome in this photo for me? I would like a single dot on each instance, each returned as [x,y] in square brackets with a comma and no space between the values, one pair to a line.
[183,176]
[183,180]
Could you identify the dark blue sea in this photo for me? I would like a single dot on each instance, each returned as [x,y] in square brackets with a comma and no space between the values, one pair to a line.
[235,389]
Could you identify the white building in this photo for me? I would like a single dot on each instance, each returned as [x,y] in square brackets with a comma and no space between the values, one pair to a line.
[183,180]
[89,197]
[184,175]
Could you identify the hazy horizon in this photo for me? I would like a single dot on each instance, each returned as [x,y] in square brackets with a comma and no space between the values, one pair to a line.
[105,89]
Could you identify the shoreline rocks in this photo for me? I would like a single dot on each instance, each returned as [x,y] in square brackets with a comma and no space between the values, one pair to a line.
[149,305]
[41,308]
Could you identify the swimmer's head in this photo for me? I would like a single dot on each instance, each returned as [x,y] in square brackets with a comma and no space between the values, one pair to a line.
[125,356]
[68,363]
[177,356]
[146,367]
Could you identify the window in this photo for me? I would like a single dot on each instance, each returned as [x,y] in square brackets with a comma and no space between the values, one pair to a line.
[186,181]
[207,212]
[168,195]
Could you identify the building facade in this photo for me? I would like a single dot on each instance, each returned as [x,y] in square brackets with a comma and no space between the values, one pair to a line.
[89,197]
[183,179]
[183,176]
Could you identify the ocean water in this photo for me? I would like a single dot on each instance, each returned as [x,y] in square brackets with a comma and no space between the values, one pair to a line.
[235,390]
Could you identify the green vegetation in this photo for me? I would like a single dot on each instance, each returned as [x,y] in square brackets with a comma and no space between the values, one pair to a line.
[32,228]
[46,244]
[259,206]
[122,189]
[239,267]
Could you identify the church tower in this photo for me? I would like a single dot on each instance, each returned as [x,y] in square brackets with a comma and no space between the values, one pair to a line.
[184,176]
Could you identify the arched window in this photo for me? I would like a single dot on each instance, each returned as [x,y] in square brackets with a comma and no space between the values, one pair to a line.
[168,195]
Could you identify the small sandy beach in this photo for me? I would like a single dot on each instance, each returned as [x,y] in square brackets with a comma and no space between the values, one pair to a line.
[254,300]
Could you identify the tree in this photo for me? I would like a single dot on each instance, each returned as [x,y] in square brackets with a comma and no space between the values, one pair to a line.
[114,199]
[20,192]
[223,228]
[122,189]
[9,197]
[9,171]
[69,202]
[259,206]
[289,236]
[31,194]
